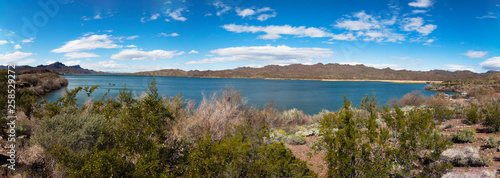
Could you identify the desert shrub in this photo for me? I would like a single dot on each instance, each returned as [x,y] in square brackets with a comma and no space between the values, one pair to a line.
[38,162]
[69,129]
[467,156]
[465,135]
[472,114]
[492,142]
[442,113]
[294,139]
[492,116]
[393,102]
[238,157]
[370,104]
[318,117]
[31,79]
[438,100]
[415,98]
[483,173]
[354,152]
[294,117]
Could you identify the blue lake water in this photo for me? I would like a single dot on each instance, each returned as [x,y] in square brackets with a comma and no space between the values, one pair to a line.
[308,96]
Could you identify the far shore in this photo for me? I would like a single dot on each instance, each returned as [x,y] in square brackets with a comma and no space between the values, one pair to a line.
[361,80]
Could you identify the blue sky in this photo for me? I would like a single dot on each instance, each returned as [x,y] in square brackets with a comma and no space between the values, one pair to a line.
[140,35]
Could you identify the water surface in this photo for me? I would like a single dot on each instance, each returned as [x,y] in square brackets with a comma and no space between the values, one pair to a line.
[308,96]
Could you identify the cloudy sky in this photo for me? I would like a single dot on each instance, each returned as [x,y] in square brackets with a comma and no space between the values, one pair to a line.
[140,35]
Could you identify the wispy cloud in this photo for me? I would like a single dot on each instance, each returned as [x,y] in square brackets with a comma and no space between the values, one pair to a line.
[135,54]
[75,55]
[263,13]
[11,57]
[490,15]
[421,3]
[176,14]
[475,54]
[87,43]
[417,24]
[266,54]
[275,32]
[491,63]
[168,35]
[460,67]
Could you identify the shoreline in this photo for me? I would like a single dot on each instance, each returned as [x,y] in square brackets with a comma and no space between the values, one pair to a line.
[325,80]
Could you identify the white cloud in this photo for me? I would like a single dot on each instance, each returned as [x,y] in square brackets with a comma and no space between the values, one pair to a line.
[266,54]
[368,28]
[193,52]
[245,12]
[249,12]
[429,41]
[17,47]
[264,17]
[86,18]
[113,66]
[176,14]
[417,24]
[30,40]
[72,63]
[131,46]
[136,54]
[419,11]
[10,57]
[421,3]
[475,54]
[74,55]
[87,43]
[153,17]
[221,8]
[208,14]
[98,16]
[363,22]
[491,63]
[2,42]
[132,37]
[459,67]
[378,66]
[490,15]
[275,32]
[167,35]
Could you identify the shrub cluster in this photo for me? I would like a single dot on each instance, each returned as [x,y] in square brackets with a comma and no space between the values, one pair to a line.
[465,135]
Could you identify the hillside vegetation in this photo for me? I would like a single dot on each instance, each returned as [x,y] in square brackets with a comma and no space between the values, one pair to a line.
[321,71]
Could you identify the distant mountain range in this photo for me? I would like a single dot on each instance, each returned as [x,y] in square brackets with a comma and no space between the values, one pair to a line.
[322,71]
[295,71]
[57,67]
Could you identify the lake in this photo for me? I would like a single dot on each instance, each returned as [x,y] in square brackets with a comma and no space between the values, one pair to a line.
[308,96]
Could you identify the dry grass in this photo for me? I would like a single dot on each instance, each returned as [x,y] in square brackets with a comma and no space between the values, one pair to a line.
[462,157]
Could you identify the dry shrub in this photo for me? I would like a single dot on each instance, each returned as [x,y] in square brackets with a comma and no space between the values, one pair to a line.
[294,117]
[214,115]
[30,79]
[462,157]
[415,98]
[393,102]
[38,162]
[475,173]
[438,100]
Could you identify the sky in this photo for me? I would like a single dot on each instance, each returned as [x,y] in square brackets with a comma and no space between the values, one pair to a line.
[145,35]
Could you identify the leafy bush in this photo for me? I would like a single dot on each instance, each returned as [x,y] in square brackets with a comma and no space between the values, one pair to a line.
[352,152]
[71,129]
[442,113]
[492,142]
[370,104]
[294,140]
[492,116]
[472,115]
[465,135]
[237,157]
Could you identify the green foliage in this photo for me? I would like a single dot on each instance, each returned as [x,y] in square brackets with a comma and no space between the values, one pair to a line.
[492,142]
[472,114]
[414,150]
[465,135]
[441,113]
[238,157]
[125,95]
[492,116]
[77,131]
[370,104]
[294,140]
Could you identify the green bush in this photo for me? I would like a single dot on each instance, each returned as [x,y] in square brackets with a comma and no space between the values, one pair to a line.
[492,142]
[71,129]
[465,135]
[442,113]
[294,140]
[492,116]
[238,157]
[472,114]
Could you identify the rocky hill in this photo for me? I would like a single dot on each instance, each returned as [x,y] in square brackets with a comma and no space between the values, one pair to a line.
[321,71]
